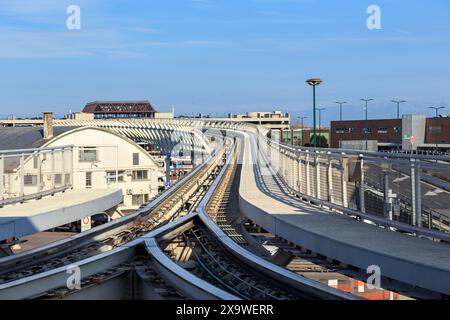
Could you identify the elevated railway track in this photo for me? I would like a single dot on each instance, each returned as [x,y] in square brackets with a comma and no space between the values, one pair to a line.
[186,244]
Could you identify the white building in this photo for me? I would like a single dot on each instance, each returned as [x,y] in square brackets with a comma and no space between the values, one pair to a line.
[99,159]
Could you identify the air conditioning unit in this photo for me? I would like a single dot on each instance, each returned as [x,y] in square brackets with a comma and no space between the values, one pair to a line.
[129,192]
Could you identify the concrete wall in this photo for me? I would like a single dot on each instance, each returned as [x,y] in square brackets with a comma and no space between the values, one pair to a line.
[413,125]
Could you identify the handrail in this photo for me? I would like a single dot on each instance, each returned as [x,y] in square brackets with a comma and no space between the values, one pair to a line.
[350,212]
[34,195]
[31,150]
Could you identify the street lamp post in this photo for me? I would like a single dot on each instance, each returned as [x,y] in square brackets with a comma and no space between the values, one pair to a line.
[301,121]
[399,133]
[314,83]
[366,131]
[340,109]
[320,121]
[398,102]
[340,118]
[436,123]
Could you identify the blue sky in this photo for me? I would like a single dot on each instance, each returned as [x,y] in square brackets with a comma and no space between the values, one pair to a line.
[220,56]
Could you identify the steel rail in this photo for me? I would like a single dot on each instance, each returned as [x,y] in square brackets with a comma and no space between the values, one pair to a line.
[99,234]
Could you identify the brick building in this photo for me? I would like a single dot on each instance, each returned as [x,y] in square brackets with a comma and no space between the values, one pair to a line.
[412,132]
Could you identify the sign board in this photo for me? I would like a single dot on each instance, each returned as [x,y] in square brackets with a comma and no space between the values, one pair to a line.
[412,139]
[85,224]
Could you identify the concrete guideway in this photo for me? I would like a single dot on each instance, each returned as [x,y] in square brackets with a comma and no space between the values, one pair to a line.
[408,259]
[39,215]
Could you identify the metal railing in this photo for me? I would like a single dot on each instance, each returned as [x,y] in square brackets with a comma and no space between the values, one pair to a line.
[33,173]
[343,180]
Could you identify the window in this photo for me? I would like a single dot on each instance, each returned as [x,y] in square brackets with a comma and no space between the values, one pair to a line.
[341,130]
[140,175]
[135,159]
[111,176]
[367,130]
[88,180]
[30,180]
[398,129]
[139,199]
[35,162]
[88,154]
[352,130]
[435,129]
[382,130]
[58,179]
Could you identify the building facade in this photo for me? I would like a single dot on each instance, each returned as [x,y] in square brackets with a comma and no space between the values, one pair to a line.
[120,109]
[412,132]
[97,159]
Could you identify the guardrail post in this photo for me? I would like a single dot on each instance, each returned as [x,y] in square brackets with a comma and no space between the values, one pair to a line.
[308,180]
[299,178]
[418,196]
[317,170]
[343,182]
[39,172]
[53,168]
[413,194]
[362,204]
[293,171]
[71,160]
[2,177]
[330,181]
[22,175]
[63,167]
[387,212]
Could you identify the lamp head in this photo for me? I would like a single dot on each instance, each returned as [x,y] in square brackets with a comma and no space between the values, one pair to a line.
[314,82]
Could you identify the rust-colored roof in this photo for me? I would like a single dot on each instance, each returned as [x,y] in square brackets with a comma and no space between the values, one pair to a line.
[119,107]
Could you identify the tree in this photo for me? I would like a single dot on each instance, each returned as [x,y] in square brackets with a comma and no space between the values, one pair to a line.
[322,142]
